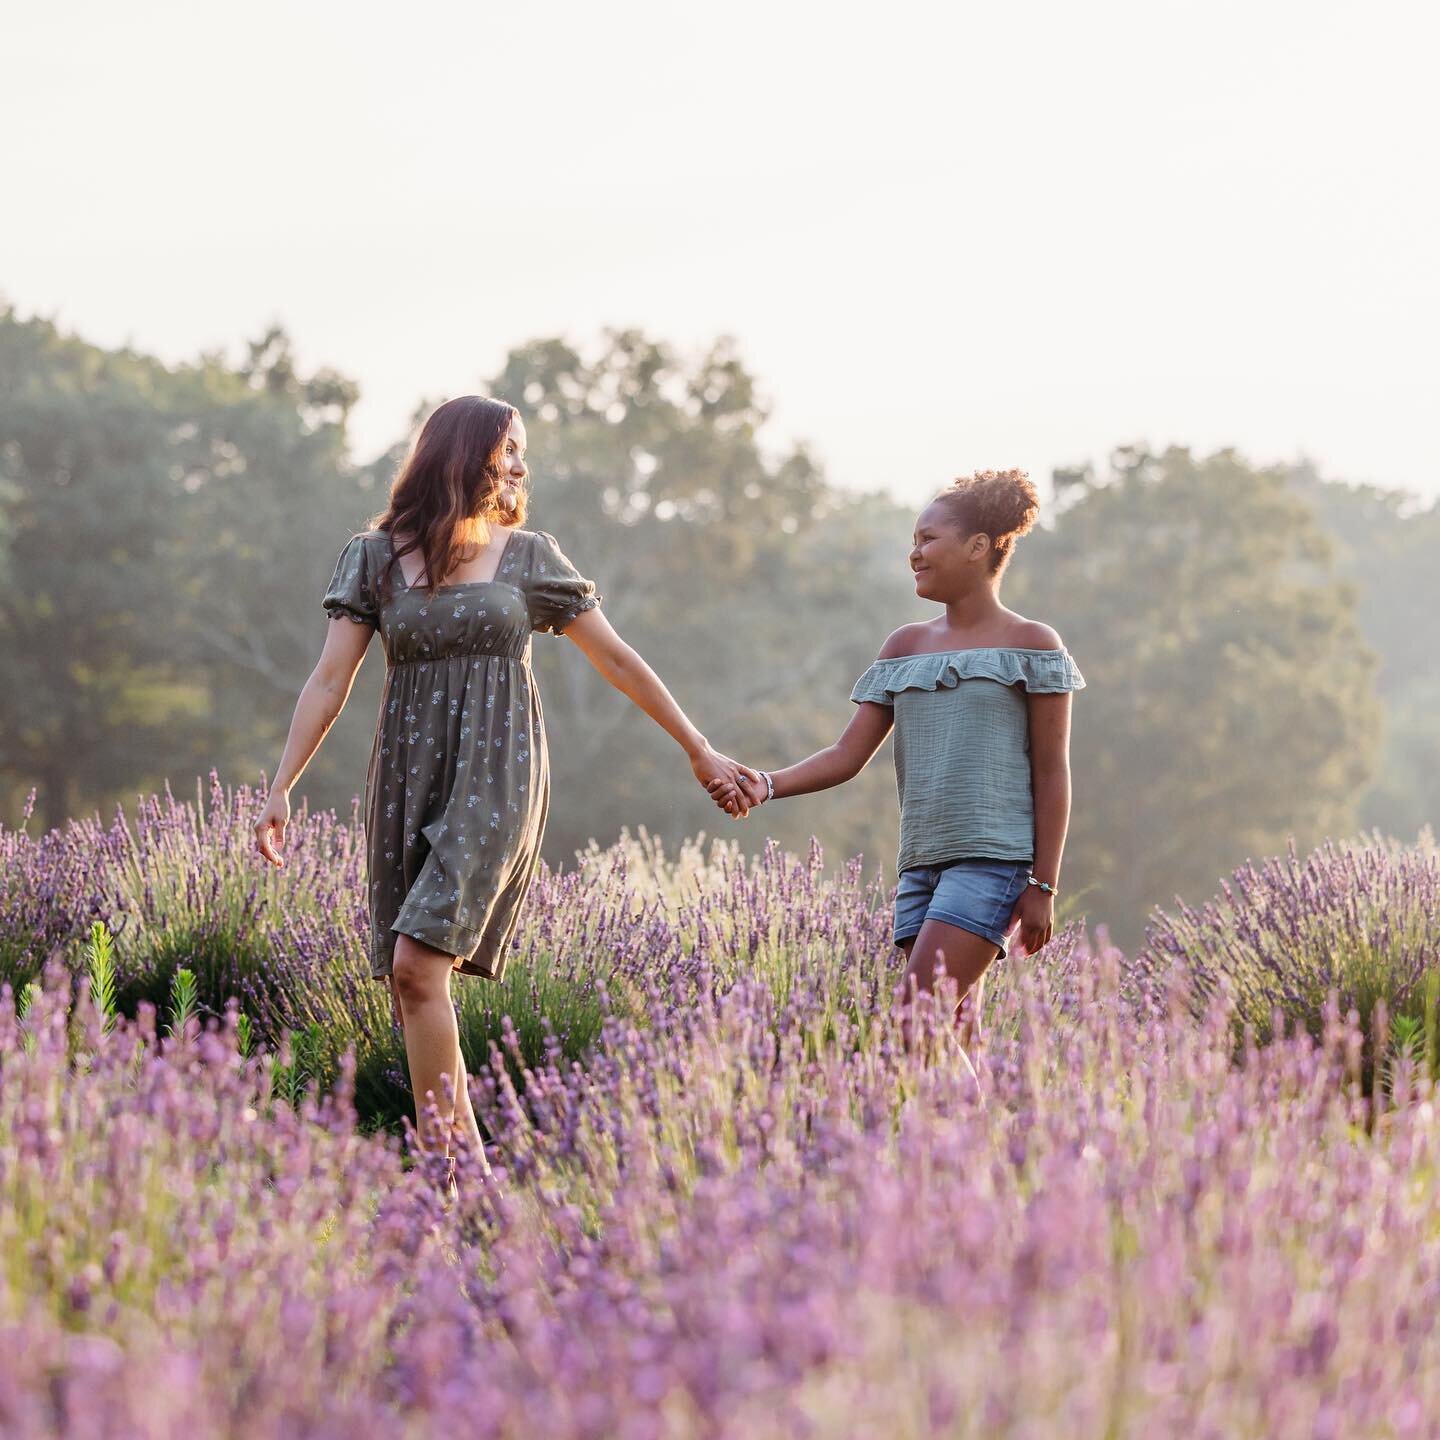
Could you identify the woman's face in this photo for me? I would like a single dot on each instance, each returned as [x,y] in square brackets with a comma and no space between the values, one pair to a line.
[512,464]
[943,559]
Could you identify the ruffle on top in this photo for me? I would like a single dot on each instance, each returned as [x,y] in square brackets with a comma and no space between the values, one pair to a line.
[1046,672]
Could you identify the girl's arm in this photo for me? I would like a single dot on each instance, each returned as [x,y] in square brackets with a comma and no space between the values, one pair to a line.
[625,669]
[843,760]
[1050,783]
[1050,780]
[834,765]
[322,698]
[848,756]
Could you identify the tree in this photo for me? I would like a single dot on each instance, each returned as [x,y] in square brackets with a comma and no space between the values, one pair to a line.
[163,534]
[1388,546]
[755,590]
[1230,691]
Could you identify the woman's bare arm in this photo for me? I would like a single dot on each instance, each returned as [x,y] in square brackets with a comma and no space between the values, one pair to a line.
[322,698]
[625,668]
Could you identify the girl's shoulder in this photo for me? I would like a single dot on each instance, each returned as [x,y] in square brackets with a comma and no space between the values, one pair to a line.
[1032,635]
[907,640]
[917,639]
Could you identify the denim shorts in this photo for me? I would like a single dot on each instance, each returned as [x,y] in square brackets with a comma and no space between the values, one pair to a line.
[976,895]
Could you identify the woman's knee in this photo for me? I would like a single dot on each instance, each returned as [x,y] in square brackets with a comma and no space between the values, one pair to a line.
[419,973]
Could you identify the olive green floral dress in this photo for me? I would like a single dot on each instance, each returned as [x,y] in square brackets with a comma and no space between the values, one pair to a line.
[458,785]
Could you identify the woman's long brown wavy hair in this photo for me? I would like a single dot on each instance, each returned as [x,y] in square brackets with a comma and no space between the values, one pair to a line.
[454,472]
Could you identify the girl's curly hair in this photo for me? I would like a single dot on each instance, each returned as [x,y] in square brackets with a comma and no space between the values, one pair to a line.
[999,503]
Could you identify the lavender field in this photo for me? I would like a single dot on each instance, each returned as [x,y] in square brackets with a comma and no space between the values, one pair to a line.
[1196,1192]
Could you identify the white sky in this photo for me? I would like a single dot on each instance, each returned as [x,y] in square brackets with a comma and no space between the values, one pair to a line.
[946,236]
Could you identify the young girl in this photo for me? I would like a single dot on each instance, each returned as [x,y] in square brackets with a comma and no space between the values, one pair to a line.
[458,787]
[980,701]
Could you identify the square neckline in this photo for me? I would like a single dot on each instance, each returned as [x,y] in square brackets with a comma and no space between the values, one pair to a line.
[415,586]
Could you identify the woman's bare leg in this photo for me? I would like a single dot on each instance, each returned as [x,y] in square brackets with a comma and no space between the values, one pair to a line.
[464,1109]
[421,983]
[465,1117]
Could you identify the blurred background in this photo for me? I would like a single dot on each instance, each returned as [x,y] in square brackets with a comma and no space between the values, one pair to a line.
[761,280]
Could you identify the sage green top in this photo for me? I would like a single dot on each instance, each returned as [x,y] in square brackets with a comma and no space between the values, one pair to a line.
[962,748]
[458,786]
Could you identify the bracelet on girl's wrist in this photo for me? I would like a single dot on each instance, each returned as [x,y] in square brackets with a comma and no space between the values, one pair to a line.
[769,785]
[1042,885]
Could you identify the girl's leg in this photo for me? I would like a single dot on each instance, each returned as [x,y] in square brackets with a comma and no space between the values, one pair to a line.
[421,982]
[967,1012]
[962,955]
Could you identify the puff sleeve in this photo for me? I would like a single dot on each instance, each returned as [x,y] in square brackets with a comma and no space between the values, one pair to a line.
[351,591]
[557,591]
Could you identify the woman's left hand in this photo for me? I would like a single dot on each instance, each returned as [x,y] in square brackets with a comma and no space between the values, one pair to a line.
[709,765]
[1035,911]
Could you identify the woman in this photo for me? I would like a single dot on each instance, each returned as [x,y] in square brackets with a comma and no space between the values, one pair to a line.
[980,700]
[458,785]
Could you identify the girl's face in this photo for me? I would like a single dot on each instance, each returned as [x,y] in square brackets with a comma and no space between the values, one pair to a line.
[945,562]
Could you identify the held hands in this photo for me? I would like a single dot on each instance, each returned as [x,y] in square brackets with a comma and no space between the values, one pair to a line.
[719,774]
[749,790]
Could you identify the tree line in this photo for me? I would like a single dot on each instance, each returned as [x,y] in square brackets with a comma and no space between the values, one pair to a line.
[1253,637]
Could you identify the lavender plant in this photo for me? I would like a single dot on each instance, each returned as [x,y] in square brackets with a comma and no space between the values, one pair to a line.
[179,888]
[1357,918]
[744,1218]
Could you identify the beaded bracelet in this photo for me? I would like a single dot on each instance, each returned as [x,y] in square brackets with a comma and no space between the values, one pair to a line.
[769,785]
[1047,889]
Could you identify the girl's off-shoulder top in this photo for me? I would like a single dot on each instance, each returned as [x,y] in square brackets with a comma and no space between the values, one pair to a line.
[962,748]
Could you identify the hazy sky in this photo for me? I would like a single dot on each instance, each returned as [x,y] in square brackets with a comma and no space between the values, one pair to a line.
[945,236]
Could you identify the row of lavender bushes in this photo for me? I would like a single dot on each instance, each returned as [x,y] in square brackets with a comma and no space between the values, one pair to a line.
[182,891]
[180,887]
[1357,919]
[746,1217]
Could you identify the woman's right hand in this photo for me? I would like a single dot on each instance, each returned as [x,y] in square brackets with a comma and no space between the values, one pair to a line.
[270,827]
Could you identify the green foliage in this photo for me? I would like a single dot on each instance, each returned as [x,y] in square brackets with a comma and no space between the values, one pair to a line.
[164,536]
[221,961]
[307,1064]
[100,961]
[1230,700]
[184,1002]
[29,994]
[1387,545]
[1414,1041]
[541,1002]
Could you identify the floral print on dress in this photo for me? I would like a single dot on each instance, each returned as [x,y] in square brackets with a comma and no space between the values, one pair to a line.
[449,702]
